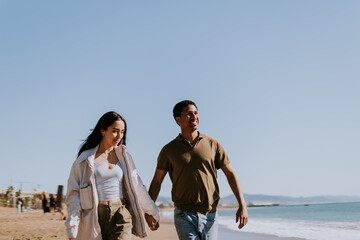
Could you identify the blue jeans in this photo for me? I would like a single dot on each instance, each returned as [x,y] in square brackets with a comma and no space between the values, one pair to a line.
[195,226]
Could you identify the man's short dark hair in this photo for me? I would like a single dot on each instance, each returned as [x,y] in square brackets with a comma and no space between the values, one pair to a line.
[179,107]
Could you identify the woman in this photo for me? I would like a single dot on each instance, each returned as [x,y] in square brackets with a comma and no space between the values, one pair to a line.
[106,198]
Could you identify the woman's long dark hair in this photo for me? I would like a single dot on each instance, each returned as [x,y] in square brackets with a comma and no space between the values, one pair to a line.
[104,122]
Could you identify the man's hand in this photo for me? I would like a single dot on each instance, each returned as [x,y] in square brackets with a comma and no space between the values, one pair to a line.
[153,225]
[242,216]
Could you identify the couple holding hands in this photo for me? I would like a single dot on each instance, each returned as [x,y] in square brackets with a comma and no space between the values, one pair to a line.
[107,200]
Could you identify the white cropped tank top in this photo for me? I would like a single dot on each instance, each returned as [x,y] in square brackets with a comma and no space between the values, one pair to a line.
[109,182]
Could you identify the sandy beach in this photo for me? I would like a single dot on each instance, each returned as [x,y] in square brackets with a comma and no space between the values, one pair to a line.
[37,225]
[30,225]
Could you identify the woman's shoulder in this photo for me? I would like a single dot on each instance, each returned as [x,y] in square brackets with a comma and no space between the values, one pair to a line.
[122,149]
[85,154]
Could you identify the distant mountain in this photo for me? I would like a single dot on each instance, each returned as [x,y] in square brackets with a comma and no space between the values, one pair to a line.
[259,199]
[162,201]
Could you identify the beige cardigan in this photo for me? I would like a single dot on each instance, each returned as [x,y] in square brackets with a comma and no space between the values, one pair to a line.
[82,198]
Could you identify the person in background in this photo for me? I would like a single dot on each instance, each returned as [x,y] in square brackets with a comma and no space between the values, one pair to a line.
[20,204]
[52,203]
[45,202]
[192,160]
[106,198]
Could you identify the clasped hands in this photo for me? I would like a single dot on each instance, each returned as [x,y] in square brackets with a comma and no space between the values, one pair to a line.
[151,222]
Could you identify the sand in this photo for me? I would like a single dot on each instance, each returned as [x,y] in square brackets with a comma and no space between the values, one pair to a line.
[30,225]
[166,231]
[37,225]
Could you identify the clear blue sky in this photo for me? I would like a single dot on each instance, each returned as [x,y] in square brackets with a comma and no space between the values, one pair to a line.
[276,82]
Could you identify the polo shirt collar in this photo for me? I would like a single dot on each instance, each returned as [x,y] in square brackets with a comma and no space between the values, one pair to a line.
[181,138]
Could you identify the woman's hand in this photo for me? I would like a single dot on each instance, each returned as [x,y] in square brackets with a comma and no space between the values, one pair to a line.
[153,225]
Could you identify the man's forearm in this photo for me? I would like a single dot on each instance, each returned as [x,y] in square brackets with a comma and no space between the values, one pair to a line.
[155,185]
[236,189]
[154,190]
[234,185]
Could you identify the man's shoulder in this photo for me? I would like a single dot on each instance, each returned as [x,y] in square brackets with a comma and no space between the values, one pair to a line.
[168,149]
[209,139]
[175,140]
[172,143]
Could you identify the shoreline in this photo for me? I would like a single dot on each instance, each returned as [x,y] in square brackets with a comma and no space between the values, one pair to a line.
[223,232]
[228,234]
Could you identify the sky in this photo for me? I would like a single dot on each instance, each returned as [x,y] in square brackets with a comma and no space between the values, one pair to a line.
[276,82]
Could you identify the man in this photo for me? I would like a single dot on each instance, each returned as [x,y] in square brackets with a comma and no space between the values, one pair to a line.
[192,160]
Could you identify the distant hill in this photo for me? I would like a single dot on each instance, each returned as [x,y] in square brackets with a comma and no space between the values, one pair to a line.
[162,201]
[259,199]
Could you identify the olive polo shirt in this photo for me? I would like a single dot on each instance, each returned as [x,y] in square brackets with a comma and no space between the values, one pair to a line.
[193,172]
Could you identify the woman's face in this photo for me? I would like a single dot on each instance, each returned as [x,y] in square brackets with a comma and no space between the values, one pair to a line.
[114,133]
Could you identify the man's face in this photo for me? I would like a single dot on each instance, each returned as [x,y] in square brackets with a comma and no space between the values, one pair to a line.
[189,118]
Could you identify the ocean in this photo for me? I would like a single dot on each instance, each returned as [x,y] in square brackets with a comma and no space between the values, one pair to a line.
[336,221]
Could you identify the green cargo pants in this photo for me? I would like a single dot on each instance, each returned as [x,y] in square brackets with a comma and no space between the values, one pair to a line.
[115,221]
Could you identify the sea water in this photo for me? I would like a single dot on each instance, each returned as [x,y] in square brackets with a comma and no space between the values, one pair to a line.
[337,221]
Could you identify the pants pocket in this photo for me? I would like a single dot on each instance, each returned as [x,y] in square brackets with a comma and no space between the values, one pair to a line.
[125,215]
[179,212]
